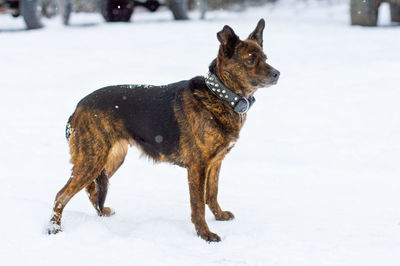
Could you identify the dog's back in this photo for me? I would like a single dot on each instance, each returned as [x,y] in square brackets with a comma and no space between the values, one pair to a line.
[147,113]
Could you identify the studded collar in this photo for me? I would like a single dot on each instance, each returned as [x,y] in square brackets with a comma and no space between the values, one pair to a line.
[239,103]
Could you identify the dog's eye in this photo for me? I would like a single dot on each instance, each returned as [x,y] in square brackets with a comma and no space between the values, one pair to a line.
[251,60]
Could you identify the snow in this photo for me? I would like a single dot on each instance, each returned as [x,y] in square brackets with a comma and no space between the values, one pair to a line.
[313,180]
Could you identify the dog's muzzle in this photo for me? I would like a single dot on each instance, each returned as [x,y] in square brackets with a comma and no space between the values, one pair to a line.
[274,76]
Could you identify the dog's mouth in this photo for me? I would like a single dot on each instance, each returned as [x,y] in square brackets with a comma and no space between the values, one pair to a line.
[274,82]
[261,83]
[268,83]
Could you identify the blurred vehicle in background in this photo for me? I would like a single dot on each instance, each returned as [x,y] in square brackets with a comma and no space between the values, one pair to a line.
[120,10]
[112,10]
[365,12]
[31,10]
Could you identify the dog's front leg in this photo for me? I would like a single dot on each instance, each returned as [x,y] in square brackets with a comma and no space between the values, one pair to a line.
[197,187]
[212,193]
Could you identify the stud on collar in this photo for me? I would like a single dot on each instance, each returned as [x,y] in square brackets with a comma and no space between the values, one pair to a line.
[239,103]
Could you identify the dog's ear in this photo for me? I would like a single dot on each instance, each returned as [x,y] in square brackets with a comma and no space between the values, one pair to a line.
[228,40]
[257,34]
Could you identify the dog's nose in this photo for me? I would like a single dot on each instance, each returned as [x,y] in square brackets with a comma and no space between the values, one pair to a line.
[275,74]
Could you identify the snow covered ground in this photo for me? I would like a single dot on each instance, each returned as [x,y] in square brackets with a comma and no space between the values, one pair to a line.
[314,179]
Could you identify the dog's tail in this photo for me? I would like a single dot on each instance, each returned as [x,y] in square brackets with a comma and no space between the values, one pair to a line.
[68,129]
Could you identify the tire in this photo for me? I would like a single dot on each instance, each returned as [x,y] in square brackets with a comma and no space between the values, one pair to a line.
[111,12]
[364,12]
[32,13]
[179,9]
[395,12]
[66,10]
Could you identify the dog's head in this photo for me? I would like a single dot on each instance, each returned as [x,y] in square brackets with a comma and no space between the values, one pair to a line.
[242,65]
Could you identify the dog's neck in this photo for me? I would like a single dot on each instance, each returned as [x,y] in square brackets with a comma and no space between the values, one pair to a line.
[239,103]
[227,80]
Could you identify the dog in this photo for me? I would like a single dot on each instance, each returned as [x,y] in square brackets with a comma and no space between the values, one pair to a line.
[192,123]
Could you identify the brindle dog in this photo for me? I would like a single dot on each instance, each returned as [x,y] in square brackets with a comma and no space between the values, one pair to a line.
[184,123]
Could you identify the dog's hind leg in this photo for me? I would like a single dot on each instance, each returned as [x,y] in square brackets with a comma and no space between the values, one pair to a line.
[90,142]
[97,190]
[82,175]
[212,193]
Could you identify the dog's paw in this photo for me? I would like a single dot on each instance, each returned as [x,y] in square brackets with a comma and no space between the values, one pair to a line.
[53,228]
[107,212]
[210,237]
[224,216]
